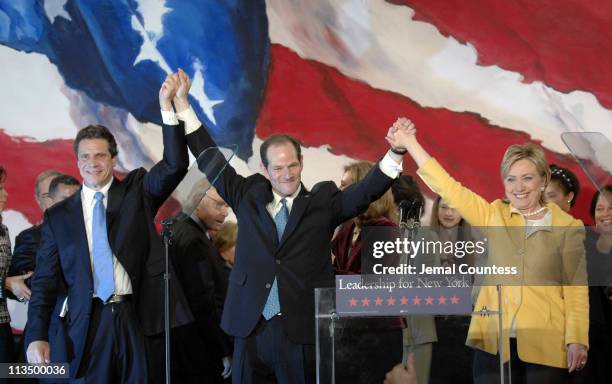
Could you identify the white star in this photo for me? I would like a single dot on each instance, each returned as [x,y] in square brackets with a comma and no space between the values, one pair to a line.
[55,8]
[151,29]
[199,93]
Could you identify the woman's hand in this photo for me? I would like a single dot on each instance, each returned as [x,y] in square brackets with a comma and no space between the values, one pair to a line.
[17,285]
[576,357]
[402,135]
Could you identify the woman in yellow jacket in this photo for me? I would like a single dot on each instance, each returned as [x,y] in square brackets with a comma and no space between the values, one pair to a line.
[545,324]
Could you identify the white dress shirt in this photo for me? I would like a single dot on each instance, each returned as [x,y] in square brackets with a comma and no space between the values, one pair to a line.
[275,205]
[123,285]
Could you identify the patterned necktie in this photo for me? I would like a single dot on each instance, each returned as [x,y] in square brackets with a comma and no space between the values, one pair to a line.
[272,306]
[103,277]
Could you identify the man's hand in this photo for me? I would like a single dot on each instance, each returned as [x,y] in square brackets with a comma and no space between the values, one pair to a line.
[168,91]
[181,98]
[38,352]
[227,367]
[401,374]
[401,133]
[17,285]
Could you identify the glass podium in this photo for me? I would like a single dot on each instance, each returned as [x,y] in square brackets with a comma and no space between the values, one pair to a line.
[362,347]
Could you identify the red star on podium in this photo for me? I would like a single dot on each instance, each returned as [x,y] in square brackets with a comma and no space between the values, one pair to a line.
[454,300]
[353,302]
[365,302]
[429,300]
[404,300]
[442,300]
[390,301]
[416,300]
[378,302]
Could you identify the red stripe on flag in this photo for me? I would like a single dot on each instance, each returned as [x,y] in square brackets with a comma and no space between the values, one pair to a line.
[24,159]
[320,106]
[566,44]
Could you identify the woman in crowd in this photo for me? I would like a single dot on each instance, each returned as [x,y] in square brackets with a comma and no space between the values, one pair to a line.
[6,336]
[563,188]
[346,245]
[599,263]
[545,327]
[225,242]
[451,359]
[366,348]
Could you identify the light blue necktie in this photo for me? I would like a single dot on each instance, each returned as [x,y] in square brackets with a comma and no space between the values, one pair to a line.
[103,277]
[272,306]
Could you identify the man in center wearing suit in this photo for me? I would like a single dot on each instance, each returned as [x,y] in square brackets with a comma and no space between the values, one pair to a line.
[201,352]
[103,244]
[282,253]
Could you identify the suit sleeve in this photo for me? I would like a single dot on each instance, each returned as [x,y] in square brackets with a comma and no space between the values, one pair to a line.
[357,197]
[230,185]
[166,175]
[24,254]
[44,285]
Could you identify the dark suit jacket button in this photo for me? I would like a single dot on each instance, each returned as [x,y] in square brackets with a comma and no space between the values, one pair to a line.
[277,261]
[268,285]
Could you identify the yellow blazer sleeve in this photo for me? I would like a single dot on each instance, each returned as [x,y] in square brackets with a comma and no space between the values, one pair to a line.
[470,205]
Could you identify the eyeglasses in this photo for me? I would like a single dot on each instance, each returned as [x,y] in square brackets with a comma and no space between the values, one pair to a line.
[218,204]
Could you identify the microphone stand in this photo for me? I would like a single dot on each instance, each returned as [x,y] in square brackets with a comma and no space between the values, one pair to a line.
[167,238]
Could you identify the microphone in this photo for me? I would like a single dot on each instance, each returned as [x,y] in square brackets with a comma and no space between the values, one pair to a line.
[404,208]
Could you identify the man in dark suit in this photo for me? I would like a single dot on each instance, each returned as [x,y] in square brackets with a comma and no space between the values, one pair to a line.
[28,240]
[103,243]
[282,254]
[51,188]
[62,187]
[201,350]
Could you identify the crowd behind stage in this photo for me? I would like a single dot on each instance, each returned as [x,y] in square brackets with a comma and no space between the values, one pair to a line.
[246,316]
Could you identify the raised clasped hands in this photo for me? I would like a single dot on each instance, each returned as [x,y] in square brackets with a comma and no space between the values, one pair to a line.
[175,89]
[400,134]
[168,91]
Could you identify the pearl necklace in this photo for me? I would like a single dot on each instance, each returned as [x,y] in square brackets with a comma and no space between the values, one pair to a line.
[533,213]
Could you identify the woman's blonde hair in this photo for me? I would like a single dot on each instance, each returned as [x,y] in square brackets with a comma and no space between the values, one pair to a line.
[531,152]
[226,236]
[384,206]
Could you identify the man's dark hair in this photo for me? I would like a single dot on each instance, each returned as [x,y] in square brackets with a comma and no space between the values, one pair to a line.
[278,139]
[96,132]
[61,180]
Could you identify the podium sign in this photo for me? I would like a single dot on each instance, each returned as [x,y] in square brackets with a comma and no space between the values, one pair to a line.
[401,295]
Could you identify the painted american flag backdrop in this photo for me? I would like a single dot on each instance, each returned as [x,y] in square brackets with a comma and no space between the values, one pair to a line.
[475,77]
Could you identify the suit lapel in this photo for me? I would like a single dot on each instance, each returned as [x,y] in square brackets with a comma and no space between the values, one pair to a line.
[297,211]
[263,198]
[75,218]
[115,196]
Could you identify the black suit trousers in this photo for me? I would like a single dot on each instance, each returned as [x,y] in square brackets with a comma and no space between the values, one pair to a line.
[268,356]
[115,347]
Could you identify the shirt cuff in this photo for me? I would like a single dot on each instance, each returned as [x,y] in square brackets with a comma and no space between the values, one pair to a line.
[192,123]
[169,117]
[389,167]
